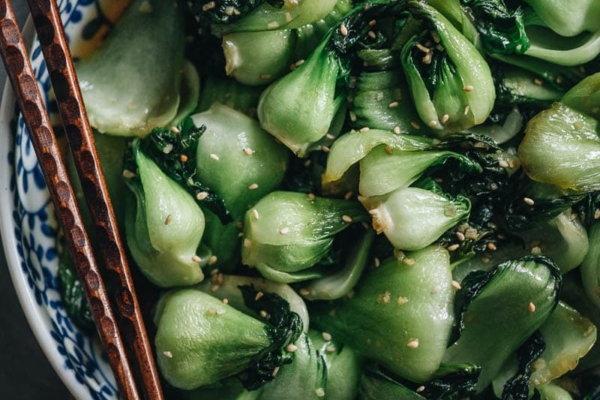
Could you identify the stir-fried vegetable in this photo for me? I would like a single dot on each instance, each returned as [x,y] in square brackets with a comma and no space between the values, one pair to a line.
[384,197]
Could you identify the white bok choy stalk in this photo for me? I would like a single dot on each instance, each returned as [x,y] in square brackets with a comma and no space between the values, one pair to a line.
[163,225]
[145,54]
[413,218]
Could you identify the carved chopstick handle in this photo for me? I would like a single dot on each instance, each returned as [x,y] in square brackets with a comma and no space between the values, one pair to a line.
[44,142]
[46,17]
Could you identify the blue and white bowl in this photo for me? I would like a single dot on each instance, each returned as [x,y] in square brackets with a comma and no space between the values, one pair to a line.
[30,229]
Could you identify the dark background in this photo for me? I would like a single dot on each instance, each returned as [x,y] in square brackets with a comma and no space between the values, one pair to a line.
[25,373]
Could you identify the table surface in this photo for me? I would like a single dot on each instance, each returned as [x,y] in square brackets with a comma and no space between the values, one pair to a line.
[25,373]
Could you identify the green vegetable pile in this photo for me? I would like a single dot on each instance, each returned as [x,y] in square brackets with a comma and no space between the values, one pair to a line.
[337,199]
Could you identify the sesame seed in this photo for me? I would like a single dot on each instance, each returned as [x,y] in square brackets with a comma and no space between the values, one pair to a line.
[196,259]
[259,294]
[467,108]
[212,260]
[330,136]
[372,35]
[393,104]
[597,213]
[320,392]
[492,246]
[325,149]
[453,247]
[460,236]
[247,243]
[384,297]
[168,148]
[225,300]
[468,88]
[471,233]
[503,163]
[273,25]
[372,22]
[578,125]
[538,81]
[215,288]
[168,219]
[538,364]
[346,218]
[290,348]
[397,130]
[352,115]
[214,157]
[559,79]
[528,201]
[263,314]
[265,76]
[424,49]
[536,250]
[376,262]
[445,118]
[485,259]
[432,123]
[183,158]
[409,261]
[127,174]
[220,311]
[248,151]
[288,16]
[311,196]
[307,163]
[253,186]
[413,344]
[284,230]
[255,213]
[348,195]
[202,195]
[275,371]
[211,310]
[168,354]
[330,349]
[531,307]
[456,285]
[304,292]
[175,130]
[229,10]
[363,130]
[343,29]
[402,300]
[326,336]
[208,6]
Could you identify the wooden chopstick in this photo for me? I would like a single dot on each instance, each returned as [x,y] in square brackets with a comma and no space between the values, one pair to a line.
[56,53]
[48,24]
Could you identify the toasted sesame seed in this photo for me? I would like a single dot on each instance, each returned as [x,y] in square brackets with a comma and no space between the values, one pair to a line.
[453,247]
[330,349]
[424,49]
[536,250]
[468,88]
[247,243]
[215,288]
[326,336]
[397,130]
[402,300]
[538,81]
[492,246]
[393,104]
[445,118]
[311,196]
[304,292]
[413,343]
[168,148]
[325,149]
[183,158]
[456,285]
[214,157]
[343,29]
[346,218]
[220,311]
[320,392]
[202,195]
[485,259]
[168,354]
[284,230]
[255,213]
[578,125]
[364,129]
[229,10]
[372,35]
[208,6]
[432,123]
[372,22]
[503,163]
[420,389]
[330,136]
[127,174]
[471,233]
[273,25]
[528,201]
[275,371]
[384,297]
[460,236]
[348,195]
[175,130]
[597,213]
[265,76]
[288,16]
[253,186]
[212,260]
[467,108]
[259,294]
[408,261]
[196,259]
[168,219]
[263,314]
[211,310]
[290,348]
[376,262]
[531,307]
[538,364]
[248,151]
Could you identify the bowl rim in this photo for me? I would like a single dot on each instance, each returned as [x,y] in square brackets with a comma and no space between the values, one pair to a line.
[35,315]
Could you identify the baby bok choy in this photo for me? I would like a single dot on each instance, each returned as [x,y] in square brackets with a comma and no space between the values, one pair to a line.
[562,147]
[145,54]
[201,340]
[288,233]
[163,224]
[413,218]
[498,311]
[450,82]
[400,313]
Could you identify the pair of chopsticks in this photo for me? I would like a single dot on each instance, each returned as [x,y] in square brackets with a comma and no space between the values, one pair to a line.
[115,329]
